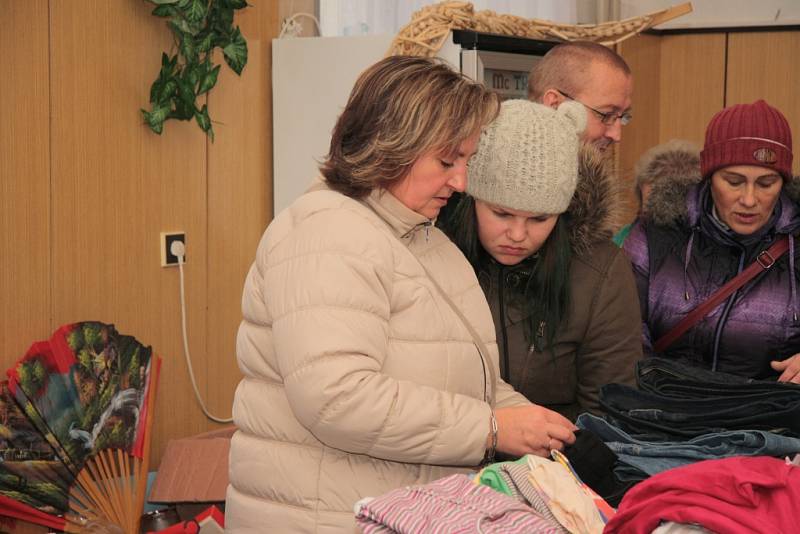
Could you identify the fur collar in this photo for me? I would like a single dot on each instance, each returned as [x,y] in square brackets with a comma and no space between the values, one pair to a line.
[597,207]
[674,171]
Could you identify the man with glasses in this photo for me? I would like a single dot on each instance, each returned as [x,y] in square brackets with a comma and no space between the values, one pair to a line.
[593,75]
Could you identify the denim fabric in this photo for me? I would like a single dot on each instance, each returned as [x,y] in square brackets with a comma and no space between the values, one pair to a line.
[673,378]
[654,457]
[654,417]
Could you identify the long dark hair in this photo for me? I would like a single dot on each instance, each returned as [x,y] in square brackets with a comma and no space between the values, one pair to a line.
[546,295]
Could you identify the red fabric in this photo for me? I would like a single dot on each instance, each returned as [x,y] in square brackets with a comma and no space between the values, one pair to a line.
[747,495]
[211,519]
[12,508]
[748,134]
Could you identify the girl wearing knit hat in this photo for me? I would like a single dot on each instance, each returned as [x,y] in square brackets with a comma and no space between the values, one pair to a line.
[741,207]
[536,224]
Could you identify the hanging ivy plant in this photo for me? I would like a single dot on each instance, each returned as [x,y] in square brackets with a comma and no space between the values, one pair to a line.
[199,26]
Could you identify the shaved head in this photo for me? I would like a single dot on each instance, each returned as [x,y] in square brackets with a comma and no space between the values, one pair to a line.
[593,75]
[567,67]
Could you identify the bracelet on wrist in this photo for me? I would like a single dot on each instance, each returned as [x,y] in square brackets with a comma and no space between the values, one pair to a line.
[488,457]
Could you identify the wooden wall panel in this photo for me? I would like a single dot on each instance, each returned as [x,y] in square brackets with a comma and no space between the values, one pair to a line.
[679,84]
[239,194]
[116,185]
[767,65]
[692,84]
[643,55]
[24,178]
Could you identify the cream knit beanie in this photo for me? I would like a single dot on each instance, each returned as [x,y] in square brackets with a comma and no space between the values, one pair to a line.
[527,158]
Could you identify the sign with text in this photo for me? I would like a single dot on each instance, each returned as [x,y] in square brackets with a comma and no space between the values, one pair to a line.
[506,83]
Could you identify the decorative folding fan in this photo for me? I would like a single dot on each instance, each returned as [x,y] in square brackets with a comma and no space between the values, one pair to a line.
[75,415]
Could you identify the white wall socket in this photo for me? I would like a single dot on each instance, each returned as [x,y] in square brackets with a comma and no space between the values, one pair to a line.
[168,259]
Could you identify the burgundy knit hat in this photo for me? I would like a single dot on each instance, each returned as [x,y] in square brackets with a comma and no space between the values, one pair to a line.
[748,134]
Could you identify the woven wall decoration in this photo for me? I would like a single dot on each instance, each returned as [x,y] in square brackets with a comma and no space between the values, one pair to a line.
[430,26]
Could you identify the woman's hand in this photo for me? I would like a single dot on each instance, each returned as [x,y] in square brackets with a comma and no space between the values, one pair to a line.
[532,430]
[790,368]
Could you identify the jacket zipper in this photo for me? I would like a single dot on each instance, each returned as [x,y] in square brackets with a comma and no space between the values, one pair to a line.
[501,290]
[723,318]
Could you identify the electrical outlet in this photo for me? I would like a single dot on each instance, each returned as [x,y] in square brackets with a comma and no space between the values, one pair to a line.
[169,259]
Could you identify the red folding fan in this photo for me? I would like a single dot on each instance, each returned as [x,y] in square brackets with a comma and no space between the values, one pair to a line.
[75,416]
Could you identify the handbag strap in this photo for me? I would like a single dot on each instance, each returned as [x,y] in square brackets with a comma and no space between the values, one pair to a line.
[483,352]
[479,344]
[764,262]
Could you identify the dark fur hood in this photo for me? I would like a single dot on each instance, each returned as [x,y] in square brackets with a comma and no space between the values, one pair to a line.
[672,169]
[597,207]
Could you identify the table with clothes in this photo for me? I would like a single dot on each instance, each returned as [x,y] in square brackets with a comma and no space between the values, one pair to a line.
[688,451]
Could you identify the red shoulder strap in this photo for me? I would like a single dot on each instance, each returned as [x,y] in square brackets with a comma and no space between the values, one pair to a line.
[764,261]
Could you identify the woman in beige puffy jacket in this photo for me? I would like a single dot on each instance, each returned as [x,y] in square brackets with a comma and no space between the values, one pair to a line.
[367,346]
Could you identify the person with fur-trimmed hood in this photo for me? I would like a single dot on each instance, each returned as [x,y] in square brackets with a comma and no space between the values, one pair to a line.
[536,225]
[677,160]
[694,238]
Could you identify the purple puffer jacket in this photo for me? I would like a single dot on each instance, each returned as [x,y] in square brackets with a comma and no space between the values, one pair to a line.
[681,259]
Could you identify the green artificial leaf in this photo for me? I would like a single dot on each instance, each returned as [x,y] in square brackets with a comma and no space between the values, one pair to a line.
[167,90]
[196,10]
[156,88]
[185,107]
[193,74]
[199,26]
[209,80]
[188,50]
[165,11]
[223,19]
[182,27]
[234,4]
[236,52]
[155,119]
[205,43]
[204,121]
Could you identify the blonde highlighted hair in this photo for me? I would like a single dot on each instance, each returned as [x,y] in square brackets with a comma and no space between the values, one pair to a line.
[401,108]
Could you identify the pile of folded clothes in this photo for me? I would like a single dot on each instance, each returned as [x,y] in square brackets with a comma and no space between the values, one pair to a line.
[531,495]
[689,451]
[682,414]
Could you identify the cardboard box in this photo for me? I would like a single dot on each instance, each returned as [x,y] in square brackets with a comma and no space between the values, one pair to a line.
[194,469]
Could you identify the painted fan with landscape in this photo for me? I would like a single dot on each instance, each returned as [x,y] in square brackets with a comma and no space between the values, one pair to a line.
[75,415]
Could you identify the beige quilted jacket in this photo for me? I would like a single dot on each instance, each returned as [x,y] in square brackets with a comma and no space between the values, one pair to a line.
[359,377]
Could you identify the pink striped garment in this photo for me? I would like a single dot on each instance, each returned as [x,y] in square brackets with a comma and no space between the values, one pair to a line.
[454,504]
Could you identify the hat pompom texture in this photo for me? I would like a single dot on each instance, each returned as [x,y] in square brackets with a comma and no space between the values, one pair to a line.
[576,113]
[527,158]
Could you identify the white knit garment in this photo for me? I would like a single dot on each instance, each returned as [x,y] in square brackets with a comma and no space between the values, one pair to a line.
[527,158]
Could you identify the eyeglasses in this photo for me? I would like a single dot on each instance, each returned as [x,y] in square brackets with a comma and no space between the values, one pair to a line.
[607,118]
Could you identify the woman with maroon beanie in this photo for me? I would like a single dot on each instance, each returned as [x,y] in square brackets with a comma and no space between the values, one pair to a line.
[698,237]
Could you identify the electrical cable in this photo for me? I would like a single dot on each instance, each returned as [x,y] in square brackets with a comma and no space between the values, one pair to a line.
[179,252]
[290,25]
